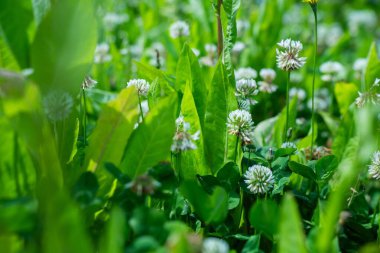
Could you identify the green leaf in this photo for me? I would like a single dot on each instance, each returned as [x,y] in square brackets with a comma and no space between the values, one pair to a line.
[330,121]
[306,141]
[212,209]
[40,8]
[150,143]
[373,66]
[252,245]
[302,170]
[7,60]
[111,134]
[15,19]
[60,58]
[192,161]
[325,168]
[229,175]
[189,71]
[345,94]
[264,217]
[291,235]
[281,152]
[215,120]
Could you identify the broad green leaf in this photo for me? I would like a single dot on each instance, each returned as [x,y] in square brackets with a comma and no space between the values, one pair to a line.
[113,240]
[280,125]
[325,168]
[264,217]
[150,143]
[302,170]
[252,245]
[189,71]
[7,60]
[111,134]
[15,19]
[212,209]
[60,58]
[345,94]
[291,235]
[281,152]
[215,120]
[373,66]
[192,161]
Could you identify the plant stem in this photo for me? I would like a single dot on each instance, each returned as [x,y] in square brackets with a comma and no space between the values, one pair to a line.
[141,111]
[16,158]
[287,107]
[236,150]
[84,117]
[314,7]
[220,28]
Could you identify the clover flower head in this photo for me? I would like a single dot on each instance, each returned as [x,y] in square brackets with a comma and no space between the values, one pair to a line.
[241,26]
[57,105]
[141,85]
[367,97]
[300,93]
[268,75]
[329,35]
[288,58]
[211,49]
[111,20]
[374,168]
[361,19]
[245,73]
[332,71]
[246,88]
[179,29]
[259,179]
[88,83]
[238,47]
[102,53]
[183,140]
[215,245]
[288,145]
[239,123]
[267,86]
[360,65]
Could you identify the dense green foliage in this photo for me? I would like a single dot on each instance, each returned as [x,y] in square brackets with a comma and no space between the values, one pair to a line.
[155,164]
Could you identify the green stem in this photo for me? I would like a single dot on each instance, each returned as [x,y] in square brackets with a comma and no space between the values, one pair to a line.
[287,107]
[236,150]
[141,110]
[220,28]
[314,8]
[16,158]
[84,117]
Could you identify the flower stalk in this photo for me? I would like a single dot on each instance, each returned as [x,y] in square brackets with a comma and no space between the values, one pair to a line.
[287,107]
[220,28]
[314,7]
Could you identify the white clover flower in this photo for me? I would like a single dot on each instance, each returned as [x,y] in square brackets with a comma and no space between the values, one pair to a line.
[211,49]
[374,168]
[357,19]
[259,179]
[57,105]
[245,73]
[136,51]
[329,35]
[179,29]
[241,26]
[183,140]
[360,65]
[215,245]
[102,53]
[288,58]
[332,71]
[300,93]
[88,83]
[268,75]
[321,100]
[239,123]
[288,145]
[238,47]
[207,61]
[367,97]
[111,20]
[141,85]
[267,86]
[246,88]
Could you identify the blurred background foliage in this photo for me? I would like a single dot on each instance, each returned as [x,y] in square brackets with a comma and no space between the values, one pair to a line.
[58,193]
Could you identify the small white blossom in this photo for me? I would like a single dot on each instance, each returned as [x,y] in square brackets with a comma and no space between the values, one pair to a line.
[211,49]
[329,35]
[246,88]
[300,93]
[358,19]
[360,65]
[183,140]
[332,71]
[102,53]
[57,105]
[245,73]
[374,168]
[321,100]
[267,86]
[259,179]
[238,47]
[288,58]
[88,83]
[367,97]
[141,85]
[111,20]
[241,27]
[288,145]
[239,123]
[215,245]
[179,29]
